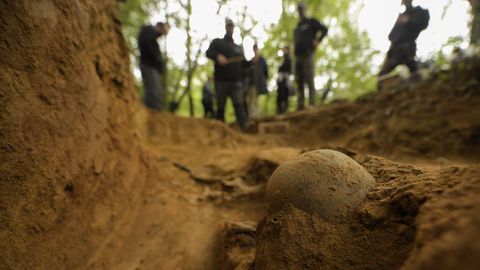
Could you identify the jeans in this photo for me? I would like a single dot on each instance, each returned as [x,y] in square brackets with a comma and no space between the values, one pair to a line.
[234,90]
[304,74]
[283,93]
[209,112]
[153,88]
[251,98]
[400,54]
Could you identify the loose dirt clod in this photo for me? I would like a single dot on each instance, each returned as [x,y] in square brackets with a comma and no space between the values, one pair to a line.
[326,183]
[237,250]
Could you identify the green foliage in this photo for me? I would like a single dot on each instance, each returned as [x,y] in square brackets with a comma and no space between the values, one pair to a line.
[134,14]
[475,19]
[344,55]
[441,58]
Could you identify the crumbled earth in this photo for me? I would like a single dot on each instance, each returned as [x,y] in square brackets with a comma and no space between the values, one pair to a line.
[92,180]
[396,227]
[434,119]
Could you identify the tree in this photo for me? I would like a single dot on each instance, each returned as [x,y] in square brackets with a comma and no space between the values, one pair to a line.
[475,20]
[344,56]
[134,14]
[194,51]
[475,24]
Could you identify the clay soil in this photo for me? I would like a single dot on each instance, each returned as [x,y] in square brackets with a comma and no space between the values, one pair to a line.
[89,179]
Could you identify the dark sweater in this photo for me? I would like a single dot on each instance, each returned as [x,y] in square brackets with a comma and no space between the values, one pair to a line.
[234,70]
[259,75]
[286,65]
[305,33]
[409,31]
[207,94]
[150,54]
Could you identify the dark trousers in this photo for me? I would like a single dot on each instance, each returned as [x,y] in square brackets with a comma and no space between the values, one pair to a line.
[304,74]
[234,90]
[208,109]
[283,93]
[152,86]
[400,54]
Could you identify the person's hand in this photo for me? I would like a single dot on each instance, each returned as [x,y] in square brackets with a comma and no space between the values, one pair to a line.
[403,19]
[222,60]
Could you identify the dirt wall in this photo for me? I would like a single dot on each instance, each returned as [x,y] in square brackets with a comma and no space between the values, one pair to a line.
[68,161]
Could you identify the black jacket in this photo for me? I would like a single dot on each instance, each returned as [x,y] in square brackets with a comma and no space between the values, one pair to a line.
[286,65]
[207,93]
[234,70]
[305,33]
[150,54]
[259,75]
[408,32]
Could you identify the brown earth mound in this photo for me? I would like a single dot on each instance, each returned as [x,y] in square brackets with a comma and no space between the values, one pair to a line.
[91,180]
[403,224]
[438,118]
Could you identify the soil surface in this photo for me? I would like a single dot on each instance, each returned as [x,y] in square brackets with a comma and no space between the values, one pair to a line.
[92,180]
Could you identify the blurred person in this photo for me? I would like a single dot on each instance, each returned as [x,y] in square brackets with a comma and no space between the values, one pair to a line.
[283,82]
[257,83]
[307,35]
[152,65]
[207,99]
[403,38]
[230,65]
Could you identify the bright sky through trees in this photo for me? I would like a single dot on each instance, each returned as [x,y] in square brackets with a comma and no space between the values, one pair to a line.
[376,17]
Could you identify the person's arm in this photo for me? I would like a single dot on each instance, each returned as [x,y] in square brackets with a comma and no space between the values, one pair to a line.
[288,62]
[150,40]
[393,32]
[265,67]
[286,65]
[153,48]
[147,42]
[419,19]
[212,51]
[319,27]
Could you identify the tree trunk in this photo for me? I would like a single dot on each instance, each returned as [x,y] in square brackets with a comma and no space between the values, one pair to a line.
[475,24]
[189,60]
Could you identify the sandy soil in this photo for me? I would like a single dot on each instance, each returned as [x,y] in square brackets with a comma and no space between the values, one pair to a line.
[91,180]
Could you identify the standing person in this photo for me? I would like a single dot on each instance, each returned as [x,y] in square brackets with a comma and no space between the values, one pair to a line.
[228,75]
[207,98]
[258,76]
[152,64]
[283,81]
[403,38]
[306,39]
